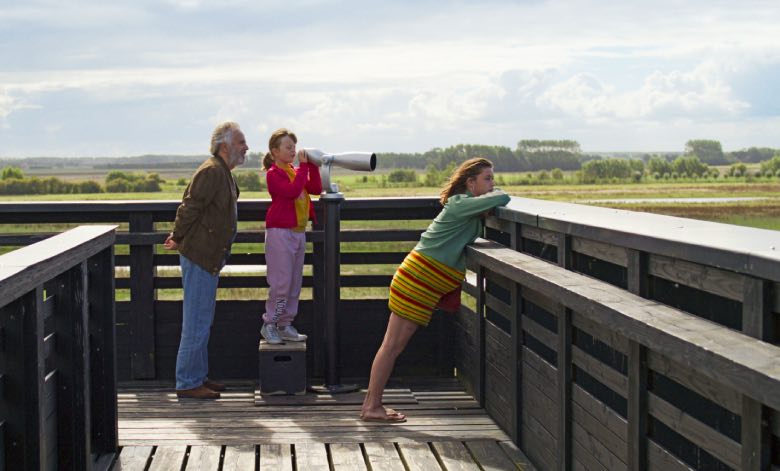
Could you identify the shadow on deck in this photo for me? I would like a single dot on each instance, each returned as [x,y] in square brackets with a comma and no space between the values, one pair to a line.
[446,429]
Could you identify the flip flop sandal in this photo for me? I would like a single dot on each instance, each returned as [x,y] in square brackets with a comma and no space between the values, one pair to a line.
[388,418]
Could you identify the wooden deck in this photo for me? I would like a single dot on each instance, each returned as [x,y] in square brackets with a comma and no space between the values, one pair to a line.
[446,429]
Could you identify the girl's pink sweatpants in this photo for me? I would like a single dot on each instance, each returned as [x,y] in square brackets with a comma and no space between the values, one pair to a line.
[284,252]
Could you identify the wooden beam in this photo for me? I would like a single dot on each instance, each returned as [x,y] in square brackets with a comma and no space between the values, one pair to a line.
[72,360]
[638,277]
[142,297]
[756,438]
[757,314]
[728,357]
[637,407]
[601,250]
[24,269]
[564,251]
[102,328]
[564,389]
[479,388]
[516,352]
[757,319]
[23,365]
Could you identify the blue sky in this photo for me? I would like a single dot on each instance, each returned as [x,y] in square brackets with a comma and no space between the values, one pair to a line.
[118,78]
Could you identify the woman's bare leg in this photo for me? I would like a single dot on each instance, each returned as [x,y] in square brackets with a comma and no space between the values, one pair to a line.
[399,331]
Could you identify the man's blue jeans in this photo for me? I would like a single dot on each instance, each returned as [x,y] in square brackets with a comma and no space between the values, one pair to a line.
[200,297]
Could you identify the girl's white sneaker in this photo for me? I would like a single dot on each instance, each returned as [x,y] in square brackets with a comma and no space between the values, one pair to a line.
[288,332]
[271,334]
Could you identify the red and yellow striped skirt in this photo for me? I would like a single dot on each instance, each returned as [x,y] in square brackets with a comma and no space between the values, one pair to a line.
[417,286]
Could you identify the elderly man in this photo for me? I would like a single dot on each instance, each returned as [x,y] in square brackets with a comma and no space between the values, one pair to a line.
[204,230]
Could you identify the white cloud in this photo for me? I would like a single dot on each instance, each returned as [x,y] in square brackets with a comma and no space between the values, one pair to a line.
[10,104]
[407,75]
[699,93]
[6,105]
[231,109]
[453,108]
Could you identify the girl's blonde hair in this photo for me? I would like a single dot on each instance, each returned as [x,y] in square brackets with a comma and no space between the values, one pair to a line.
[274,143]
[468,169]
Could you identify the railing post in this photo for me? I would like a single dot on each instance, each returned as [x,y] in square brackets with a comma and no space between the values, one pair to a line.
[142,351]
[637,406]
[757,309]
[565,260]
[315,342]
[102,322]
[637,370]
[72,364]
[637,273]
[564,251]
[21,387]
[756,322]
[479,388]
[332,298]
[564,388]
[516,355]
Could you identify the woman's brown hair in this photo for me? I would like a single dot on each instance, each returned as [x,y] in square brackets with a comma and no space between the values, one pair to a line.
[468,169]
[274,142]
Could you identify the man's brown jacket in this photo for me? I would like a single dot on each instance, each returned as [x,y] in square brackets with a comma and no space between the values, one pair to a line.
[206,217]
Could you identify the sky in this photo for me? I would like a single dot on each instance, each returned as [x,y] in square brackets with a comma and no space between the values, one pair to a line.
[122,78]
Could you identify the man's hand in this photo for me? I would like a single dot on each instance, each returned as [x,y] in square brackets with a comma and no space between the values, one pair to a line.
[169,243]
[302,157]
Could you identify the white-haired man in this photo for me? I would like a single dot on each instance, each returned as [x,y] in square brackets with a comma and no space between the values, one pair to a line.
[203,233]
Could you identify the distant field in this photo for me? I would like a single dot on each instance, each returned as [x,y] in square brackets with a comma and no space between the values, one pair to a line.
[764,213]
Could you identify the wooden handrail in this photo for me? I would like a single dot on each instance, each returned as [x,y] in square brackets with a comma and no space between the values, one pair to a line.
[58,354]
[25,268]
[737,248]
[729,357]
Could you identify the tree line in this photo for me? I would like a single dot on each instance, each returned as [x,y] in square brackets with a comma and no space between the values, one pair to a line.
[685,167]
[534,155]
[13,181]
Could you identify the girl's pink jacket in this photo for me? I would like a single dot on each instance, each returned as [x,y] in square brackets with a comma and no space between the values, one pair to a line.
[284,192]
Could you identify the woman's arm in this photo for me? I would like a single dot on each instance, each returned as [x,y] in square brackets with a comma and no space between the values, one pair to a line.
[465,206]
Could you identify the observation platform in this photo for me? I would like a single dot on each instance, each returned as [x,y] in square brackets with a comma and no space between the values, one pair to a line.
[446,429]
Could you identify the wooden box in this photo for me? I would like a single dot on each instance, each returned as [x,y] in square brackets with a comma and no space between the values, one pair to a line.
[282,368]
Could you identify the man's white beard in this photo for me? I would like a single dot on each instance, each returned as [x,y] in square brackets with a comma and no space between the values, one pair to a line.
[237,158]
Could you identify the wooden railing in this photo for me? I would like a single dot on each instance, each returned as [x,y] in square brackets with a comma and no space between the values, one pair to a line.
[606,339]
[721,272]
[57,367]
[148,327]
[662,357]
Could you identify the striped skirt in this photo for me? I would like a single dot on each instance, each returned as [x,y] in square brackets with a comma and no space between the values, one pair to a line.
[417,286]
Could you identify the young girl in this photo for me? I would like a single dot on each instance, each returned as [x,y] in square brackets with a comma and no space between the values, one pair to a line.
[285,237]
[435,267]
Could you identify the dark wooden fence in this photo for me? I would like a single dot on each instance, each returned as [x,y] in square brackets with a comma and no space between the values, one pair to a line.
[617,340]
[606,339]
[57,371]
[148,328]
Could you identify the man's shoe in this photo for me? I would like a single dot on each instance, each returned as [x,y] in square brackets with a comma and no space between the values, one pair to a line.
[214,386]
[201,392]
[288,332]
[271,334]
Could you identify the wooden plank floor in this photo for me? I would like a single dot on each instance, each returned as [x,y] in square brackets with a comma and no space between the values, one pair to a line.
[446,429]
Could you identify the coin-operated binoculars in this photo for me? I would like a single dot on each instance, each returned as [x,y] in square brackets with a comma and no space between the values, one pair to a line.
[360,161]
[331,200]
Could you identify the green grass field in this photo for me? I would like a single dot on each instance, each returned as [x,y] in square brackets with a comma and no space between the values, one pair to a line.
[764,213]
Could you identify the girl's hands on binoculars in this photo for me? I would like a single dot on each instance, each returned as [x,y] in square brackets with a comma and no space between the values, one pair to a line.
[302,157]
